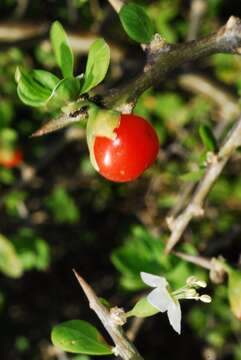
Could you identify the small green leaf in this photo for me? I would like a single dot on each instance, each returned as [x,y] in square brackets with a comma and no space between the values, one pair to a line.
[136,23]
[97,64]
[10,264]
[77,336]
[208,138]
[143,309]
[62,49]
[30,90]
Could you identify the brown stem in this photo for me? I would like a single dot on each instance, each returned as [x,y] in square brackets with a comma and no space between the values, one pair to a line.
[169,57]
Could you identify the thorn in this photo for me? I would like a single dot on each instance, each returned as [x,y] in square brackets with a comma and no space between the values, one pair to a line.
[60,122]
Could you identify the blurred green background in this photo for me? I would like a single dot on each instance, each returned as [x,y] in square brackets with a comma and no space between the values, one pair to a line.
[57,213]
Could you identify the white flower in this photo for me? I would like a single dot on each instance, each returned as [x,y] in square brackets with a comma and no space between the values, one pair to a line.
[164,299]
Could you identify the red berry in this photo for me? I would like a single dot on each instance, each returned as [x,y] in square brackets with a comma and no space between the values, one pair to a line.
[10,159]
[133,150]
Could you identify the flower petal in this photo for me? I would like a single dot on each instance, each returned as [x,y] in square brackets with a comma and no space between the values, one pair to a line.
[153,280]
[159,299]
[174,315]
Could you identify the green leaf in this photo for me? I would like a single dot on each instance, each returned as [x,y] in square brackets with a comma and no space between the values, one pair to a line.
[136,23]
[10,264]
[143,309]
[97,64]
[62,49]
[77,336]
[208,138]
[30,90]
[140,252]
[67,90]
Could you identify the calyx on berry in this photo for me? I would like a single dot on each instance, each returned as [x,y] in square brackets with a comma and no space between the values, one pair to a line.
[101,123]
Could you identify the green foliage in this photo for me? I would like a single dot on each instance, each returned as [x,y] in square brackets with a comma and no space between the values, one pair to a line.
[97,65]
[41,88]
[217,318]
[10,263]
[33,252]
[78,336]
[62,49]
[30,90]
[62,206]
[66,200]
[136,23]
[143,252]
[163,14]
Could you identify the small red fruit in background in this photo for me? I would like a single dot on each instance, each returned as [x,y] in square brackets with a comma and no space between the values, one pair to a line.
[133,150]
[10,158]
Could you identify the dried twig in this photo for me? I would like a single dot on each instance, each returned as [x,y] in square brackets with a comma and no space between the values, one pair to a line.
[117,4]
[197,10]
[123,347]
[134,328]
[228,111]
[215,167]
[195,259]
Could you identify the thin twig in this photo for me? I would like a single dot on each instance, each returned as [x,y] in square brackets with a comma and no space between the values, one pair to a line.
[134,328]
[215,167]
[117,4]
[123,347]
[195,259]
[197,10]
[228,111]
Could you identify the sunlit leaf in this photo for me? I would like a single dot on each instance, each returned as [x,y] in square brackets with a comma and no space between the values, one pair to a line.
[97,64]
[136,23]
[62,49]
[78,336]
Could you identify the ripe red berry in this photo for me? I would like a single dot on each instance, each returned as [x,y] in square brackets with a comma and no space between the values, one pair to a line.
[133,150]
[9,158]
